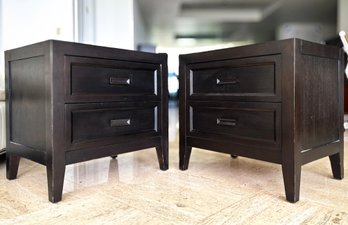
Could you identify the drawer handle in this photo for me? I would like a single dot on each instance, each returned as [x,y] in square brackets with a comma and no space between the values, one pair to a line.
[120,81]
[120,122]
[226,122]
[227,82]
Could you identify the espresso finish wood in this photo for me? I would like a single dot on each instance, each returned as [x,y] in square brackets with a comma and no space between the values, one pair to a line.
[252,77]
[243,122]
[280,102]
[69,102]
[96,77]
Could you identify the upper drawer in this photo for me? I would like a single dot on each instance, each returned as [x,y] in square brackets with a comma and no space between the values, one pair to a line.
[256,78]
[94,79]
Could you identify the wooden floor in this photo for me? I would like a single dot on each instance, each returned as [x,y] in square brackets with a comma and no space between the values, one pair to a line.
[216,189]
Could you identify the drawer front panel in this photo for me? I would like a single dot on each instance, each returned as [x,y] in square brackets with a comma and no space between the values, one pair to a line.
[88,77]
[259,76]
[244,122]
[100,122]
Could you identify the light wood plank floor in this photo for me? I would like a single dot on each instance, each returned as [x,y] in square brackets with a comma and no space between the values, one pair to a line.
[216,189]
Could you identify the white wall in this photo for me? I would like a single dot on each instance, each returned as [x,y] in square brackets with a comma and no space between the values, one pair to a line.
[316,32]
[85,21]
[2,72]
[111,23]
[342,13]
[25,22]
[30,21]
[140,28]
[115,23]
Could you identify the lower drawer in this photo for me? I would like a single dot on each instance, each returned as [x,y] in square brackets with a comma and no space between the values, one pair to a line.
[109,123]
[246,123]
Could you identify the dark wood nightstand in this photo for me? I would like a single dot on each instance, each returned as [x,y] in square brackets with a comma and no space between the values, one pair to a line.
[69,102]
[280,102]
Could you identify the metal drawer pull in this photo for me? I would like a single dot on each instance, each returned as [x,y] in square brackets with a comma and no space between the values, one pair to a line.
[120,81]
[229,81]
[120,122]
[226,122]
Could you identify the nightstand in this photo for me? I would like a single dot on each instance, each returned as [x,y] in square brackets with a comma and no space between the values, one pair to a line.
[280,102]
[69,102]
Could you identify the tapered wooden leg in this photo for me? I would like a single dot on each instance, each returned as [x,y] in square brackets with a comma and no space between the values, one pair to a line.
[55,180]
[185,153]
[337,165]
[162,155]
[12,164]
[292,180]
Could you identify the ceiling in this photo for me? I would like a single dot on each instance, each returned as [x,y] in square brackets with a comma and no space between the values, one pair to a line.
[171,22]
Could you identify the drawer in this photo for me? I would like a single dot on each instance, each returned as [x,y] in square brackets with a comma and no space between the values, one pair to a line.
[99,79]
[249,123]
[249,78]
[109,123]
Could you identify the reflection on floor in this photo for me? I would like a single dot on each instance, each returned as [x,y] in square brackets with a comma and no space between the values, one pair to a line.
[216,189]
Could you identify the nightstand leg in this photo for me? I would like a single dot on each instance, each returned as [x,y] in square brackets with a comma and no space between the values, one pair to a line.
[337,166]
[185,153]
[292,180]
[55,180]
[162,155]
[12,164]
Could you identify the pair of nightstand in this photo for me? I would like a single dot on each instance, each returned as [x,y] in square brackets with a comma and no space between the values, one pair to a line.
[280,102]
